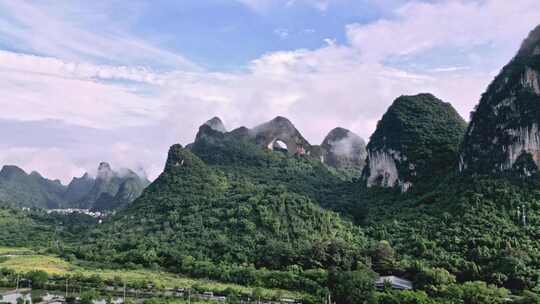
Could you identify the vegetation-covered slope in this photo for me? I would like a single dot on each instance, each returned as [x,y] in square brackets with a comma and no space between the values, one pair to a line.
[239,158]
[196,210]
[78,188]
[478,229]
[417,139]
[29,190]
[344,151]
[31,228]
[110,190]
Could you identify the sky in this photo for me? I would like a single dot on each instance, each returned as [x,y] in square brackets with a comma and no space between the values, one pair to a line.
[120,81]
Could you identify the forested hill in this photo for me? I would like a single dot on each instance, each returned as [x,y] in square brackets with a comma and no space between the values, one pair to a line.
[238,157]
[107,191]
[416,140]
[227,201]
[197,210]
[19,189]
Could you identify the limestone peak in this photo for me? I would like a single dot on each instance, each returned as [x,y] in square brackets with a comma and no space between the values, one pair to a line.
[413,141]
[531,45]
[504,132]
[216,124]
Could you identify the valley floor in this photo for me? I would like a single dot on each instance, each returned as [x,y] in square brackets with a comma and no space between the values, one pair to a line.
[23,260]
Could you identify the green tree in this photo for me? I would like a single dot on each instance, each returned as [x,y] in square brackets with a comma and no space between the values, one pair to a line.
[351,287]
[38,278]
[404,297]
[529,297]
[257,294]
[477,293]
[434,280]
[88,297]
[384,258]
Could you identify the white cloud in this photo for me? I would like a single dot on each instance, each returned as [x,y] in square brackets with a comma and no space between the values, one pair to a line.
[321,5]
[258,5]
[317,90]
[450,69]
[85,71]
[37,95]
[36,27]
[419,27]
[282,33]
[64,164]
[336,85]
[143,160]
[49,162]
[264,5]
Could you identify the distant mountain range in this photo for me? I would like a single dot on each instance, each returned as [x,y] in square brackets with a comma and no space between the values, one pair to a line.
[107,191]
[17,188]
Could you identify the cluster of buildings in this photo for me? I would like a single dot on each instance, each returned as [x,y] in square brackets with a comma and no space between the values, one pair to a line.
[95,214]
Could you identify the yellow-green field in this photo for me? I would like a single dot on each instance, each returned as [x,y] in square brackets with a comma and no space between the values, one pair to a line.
[56,266]
[49,264]
[14,250]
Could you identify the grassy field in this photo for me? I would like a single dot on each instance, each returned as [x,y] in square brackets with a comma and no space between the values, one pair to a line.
[56,266]
[14,251]
[49,264]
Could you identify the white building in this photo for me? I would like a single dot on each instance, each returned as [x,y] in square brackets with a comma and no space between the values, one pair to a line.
[394,282]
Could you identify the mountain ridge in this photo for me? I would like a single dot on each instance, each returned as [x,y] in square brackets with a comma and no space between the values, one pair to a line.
[19,189]
[503,135]
[209,212]
[341,149]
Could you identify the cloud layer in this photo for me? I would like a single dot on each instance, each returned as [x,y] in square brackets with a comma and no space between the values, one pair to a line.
[102,89]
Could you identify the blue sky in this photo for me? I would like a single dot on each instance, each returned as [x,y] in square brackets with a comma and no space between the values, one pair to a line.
[243,33]
[119,81]
[215,34]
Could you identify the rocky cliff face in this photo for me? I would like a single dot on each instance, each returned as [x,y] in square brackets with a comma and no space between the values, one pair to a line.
[281,134]
[278,134]
[79,187]
[417,138]
[504,134]
[128,191]
[216,124]
[344,150]
[211,130]
[109,190]
[103,184]
[341,148]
